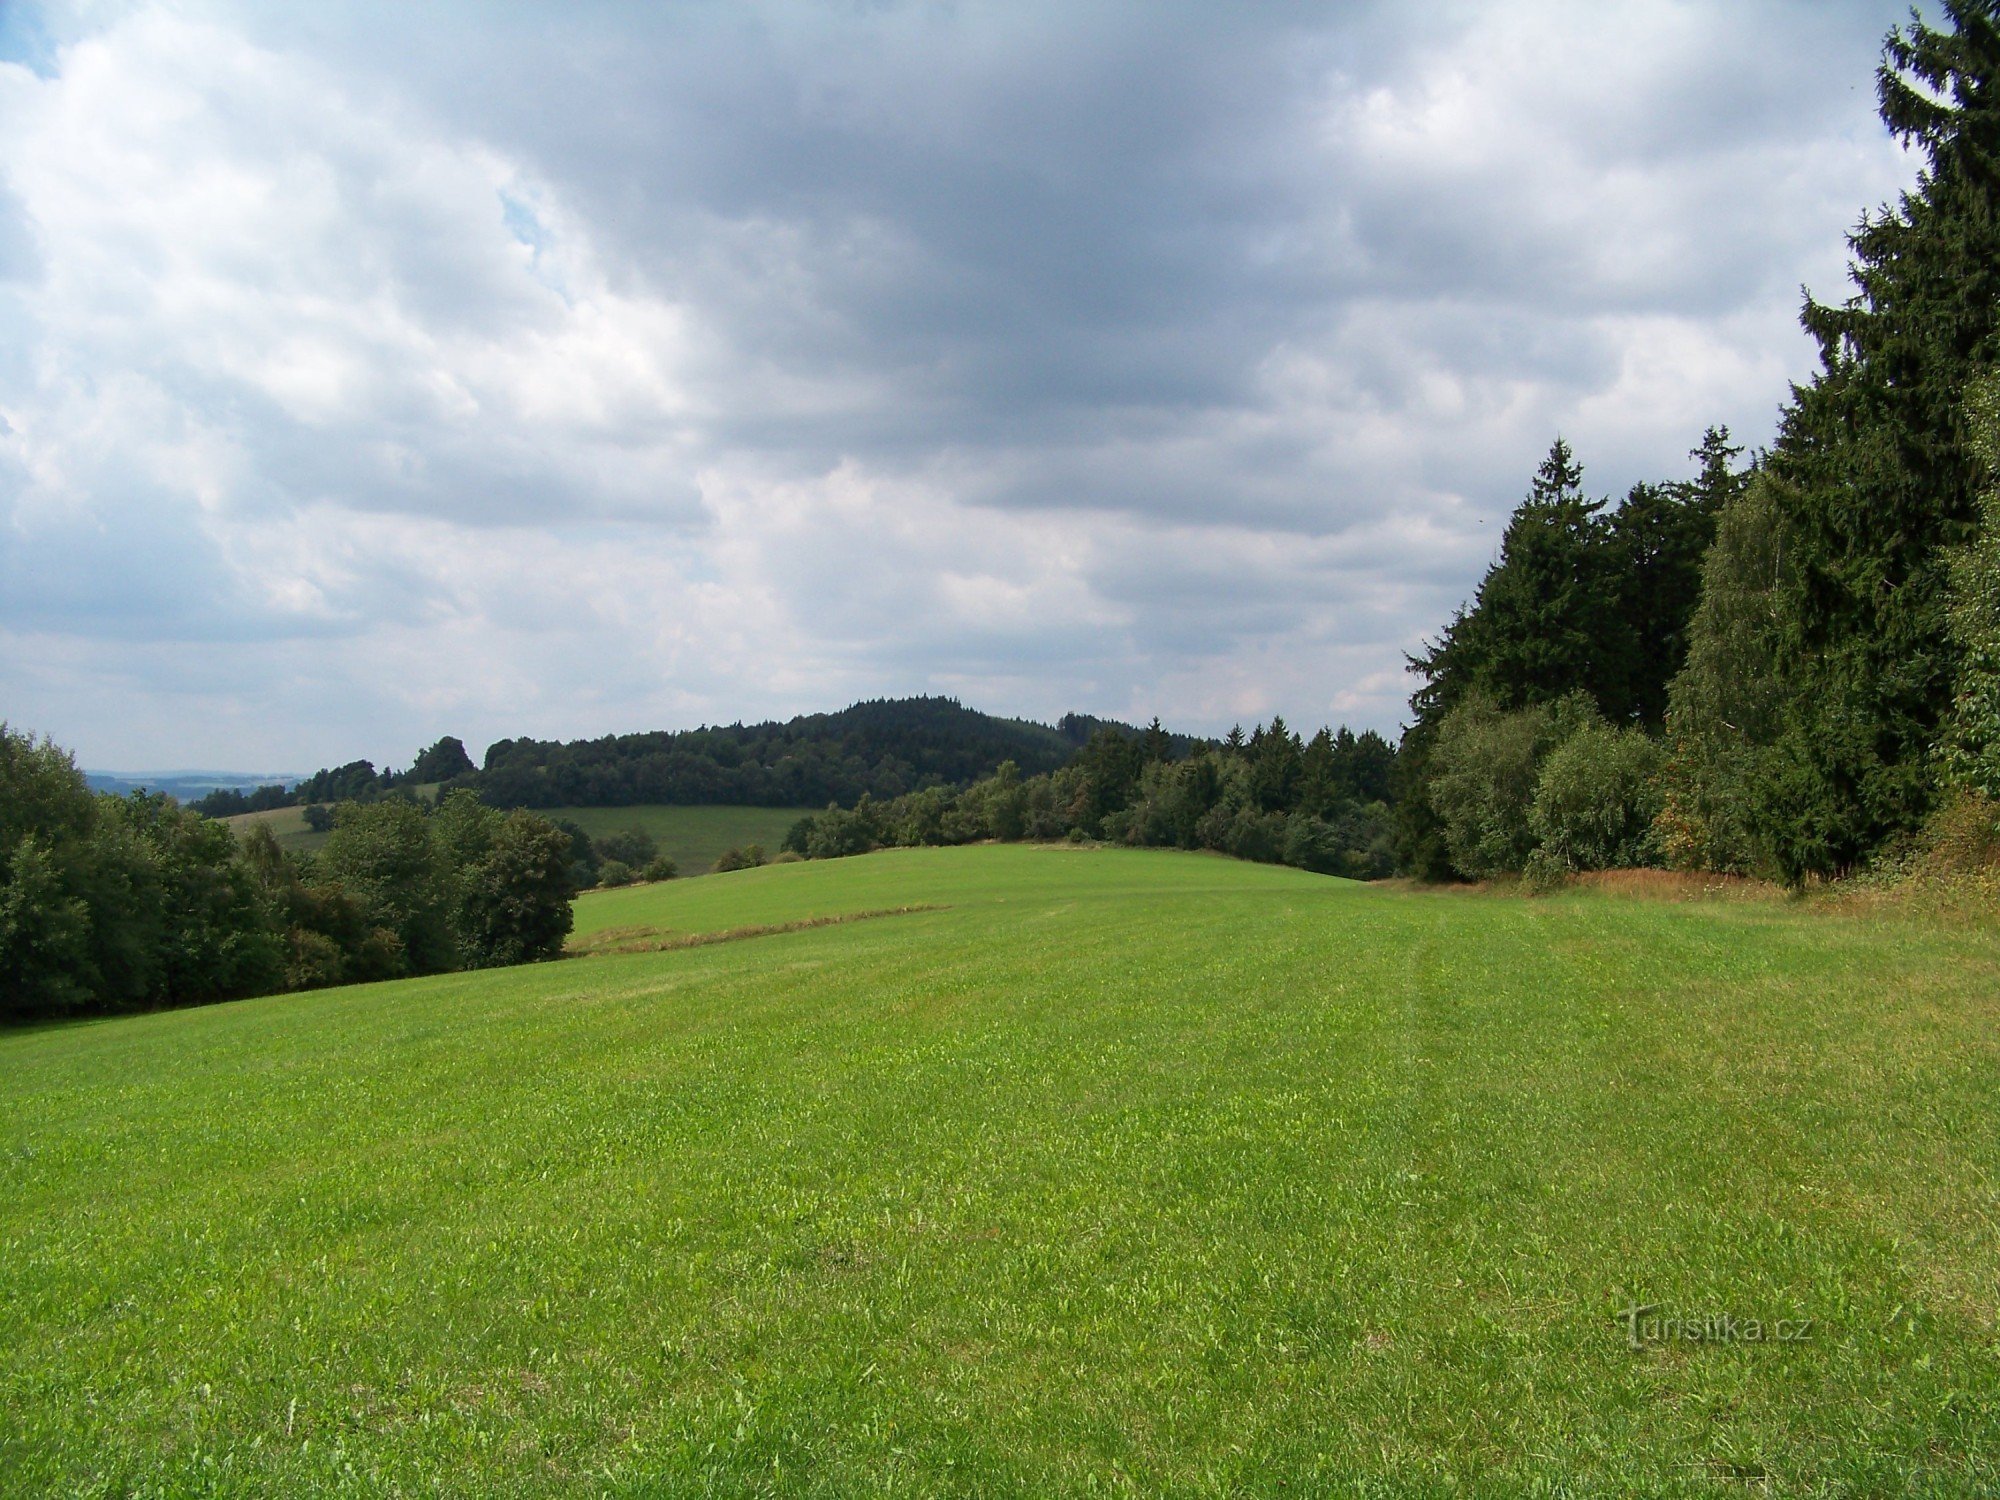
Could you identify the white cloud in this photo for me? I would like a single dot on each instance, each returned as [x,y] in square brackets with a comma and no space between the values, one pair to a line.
[370,374]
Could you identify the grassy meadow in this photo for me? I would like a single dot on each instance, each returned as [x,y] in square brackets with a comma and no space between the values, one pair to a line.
[1069,1171]
[693,837]
[287,825]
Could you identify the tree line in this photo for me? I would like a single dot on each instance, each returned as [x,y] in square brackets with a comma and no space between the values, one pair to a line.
[1322,804]
[881,748]
[114,903]
[1788,666]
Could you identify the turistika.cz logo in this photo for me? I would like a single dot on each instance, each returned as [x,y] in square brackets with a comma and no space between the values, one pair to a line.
[1648,1325]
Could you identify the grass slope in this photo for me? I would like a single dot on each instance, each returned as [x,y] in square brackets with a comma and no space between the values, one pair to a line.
[1120,1170]
[287,825]
[693,837]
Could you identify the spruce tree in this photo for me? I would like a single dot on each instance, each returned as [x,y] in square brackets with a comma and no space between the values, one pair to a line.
[1657,540]
[1542,624]
[1881,480]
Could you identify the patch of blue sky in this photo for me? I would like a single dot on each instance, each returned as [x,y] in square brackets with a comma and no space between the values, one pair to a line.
[527,227]
[25,39]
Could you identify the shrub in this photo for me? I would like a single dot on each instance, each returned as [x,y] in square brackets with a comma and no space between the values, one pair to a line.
[1483,772]
[1595,800]
[836,833]
[1725,707]
[661,868]
[1257,836]
[1312,844]
[614,872]
[629,846]
[514,903]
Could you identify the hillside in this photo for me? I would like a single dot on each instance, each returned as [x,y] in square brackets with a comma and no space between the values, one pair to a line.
[692,837]
[1109,1169]
[881,748]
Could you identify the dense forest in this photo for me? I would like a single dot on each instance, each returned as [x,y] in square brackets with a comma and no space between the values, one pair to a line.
[882,748]
[1785,667]
[112,903]
[1323,804]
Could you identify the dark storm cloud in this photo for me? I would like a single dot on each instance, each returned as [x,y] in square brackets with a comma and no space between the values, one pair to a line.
[1026,220]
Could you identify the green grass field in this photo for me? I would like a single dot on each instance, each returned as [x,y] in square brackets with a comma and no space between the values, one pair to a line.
[287,825]
[1114,1171]
[693,837]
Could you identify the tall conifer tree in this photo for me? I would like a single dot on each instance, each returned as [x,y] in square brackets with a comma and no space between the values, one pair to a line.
[1881,481]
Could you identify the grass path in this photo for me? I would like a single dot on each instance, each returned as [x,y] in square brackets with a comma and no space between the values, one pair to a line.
[1116,1170]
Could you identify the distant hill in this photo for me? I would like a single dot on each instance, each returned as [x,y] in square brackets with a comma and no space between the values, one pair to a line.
[882,748]
[186,786]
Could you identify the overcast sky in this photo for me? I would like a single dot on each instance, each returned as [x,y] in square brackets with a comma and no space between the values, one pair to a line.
[375,372]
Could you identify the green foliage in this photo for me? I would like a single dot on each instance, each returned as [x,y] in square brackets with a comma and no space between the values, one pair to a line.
[1581,600]
[1596,798]
[327,937]
[1656,543]
[46,962]
[49,944]
[1483,772]
[1277,767]
[228,802]
[614,873]
[583,857]
[354,782]
[441,762]
[382,853]
[1972,735]
[1726,708]
[1582,605]
[884,749]
[1271,799]
[110,903]
[835,833]
[692,837]
[1882,476]
[208,926]
[512,904]
[629,846]
[749,857]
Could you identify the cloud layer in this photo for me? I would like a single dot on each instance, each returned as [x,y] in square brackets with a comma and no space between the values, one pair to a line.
[368,375]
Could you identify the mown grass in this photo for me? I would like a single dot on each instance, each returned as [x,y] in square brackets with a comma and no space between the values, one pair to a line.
[1118,1171]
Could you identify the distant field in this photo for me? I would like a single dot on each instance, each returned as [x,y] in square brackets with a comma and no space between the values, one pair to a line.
[287,825]
[694,837]
[1115,1172]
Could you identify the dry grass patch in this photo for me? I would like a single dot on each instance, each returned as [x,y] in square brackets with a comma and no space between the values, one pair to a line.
[663,940]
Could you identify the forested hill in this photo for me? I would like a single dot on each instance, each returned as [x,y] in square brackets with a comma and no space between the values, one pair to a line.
[884,748]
